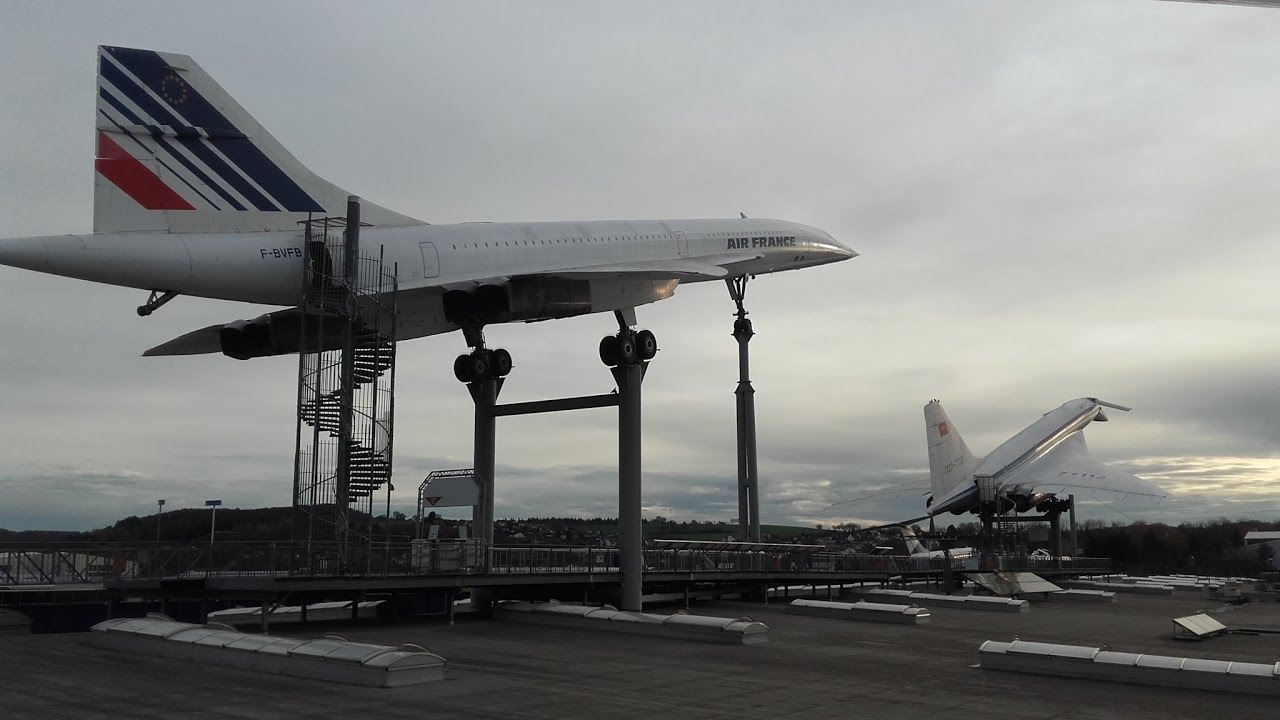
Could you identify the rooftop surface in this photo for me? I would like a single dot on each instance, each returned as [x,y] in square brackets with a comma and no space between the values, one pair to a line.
[811,668]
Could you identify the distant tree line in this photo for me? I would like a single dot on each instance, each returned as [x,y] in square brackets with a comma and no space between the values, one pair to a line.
[1206,547]
[1209,547]
[192,525]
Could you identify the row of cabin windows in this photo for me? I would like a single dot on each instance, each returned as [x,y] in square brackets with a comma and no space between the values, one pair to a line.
[561,241]
[738,233]
[611,238]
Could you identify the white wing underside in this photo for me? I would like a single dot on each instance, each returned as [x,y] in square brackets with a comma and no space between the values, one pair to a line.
[705,267]
[918,488]
[1068,469]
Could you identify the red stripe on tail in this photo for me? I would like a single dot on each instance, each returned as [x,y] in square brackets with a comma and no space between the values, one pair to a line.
[127,173]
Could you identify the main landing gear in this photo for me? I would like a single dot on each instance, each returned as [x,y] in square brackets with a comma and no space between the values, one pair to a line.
[628,347]
[481,363]
[628,354]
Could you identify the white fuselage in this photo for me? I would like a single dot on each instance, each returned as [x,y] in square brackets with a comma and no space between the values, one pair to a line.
[266,267]
[1033,442]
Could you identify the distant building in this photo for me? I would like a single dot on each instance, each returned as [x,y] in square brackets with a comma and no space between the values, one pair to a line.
[1264,537]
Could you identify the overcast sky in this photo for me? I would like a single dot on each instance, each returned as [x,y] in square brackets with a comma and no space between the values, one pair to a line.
[1051,199]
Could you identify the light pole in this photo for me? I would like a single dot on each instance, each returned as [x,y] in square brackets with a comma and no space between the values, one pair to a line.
[213,520]
[159,514]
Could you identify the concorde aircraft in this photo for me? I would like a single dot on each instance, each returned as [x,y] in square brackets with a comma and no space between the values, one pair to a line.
[193,197]
[1046,458]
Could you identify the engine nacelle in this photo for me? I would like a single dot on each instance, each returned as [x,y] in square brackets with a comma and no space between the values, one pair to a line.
[540,297]
[1021,503]
[537,298]
[244,339]
[274,334]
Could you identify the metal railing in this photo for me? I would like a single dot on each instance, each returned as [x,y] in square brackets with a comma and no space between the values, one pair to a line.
[92,563]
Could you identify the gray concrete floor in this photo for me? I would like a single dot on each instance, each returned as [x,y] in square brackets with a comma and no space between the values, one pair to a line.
[811,668]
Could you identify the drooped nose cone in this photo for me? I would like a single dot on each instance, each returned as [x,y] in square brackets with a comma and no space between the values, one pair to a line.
[833,250]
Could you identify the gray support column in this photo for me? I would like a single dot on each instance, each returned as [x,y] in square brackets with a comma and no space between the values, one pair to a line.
[753,470]
[988,541]
[630,529]
[1055,537]
[485,395]
[1071,508]
[748,472]
[744,486]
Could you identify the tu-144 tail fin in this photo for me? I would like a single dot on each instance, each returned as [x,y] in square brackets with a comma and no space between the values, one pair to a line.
[950,461]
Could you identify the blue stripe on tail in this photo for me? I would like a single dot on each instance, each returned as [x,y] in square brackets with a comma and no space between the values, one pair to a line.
[131,117]
[180,97]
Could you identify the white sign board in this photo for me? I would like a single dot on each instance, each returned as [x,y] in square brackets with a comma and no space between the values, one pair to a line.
[443,492]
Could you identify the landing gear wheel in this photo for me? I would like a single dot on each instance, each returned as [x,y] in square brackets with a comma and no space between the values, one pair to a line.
[478,366]
[647,344]
[627,349]
[461,368]
[500,362]
[609,350]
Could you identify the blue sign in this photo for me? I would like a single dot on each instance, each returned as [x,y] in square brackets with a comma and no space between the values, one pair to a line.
[212,503]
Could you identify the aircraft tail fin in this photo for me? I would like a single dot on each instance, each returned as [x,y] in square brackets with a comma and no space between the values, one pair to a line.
[914,546]
[176,153]
[949,458]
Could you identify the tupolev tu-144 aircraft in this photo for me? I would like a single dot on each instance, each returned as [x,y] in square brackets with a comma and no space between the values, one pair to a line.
[193,197]
[1047,457]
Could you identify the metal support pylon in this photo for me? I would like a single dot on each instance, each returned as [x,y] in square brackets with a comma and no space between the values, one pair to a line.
[630,527]
[485,395]
[748,471]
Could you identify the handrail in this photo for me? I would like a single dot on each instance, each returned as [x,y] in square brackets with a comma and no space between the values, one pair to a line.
[91,562]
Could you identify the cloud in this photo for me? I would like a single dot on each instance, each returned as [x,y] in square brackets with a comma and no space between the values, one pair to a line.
[1050,202]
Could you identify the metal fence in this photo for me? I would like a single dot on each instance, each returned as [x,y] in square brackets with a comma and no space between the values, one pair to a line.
[90,563]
